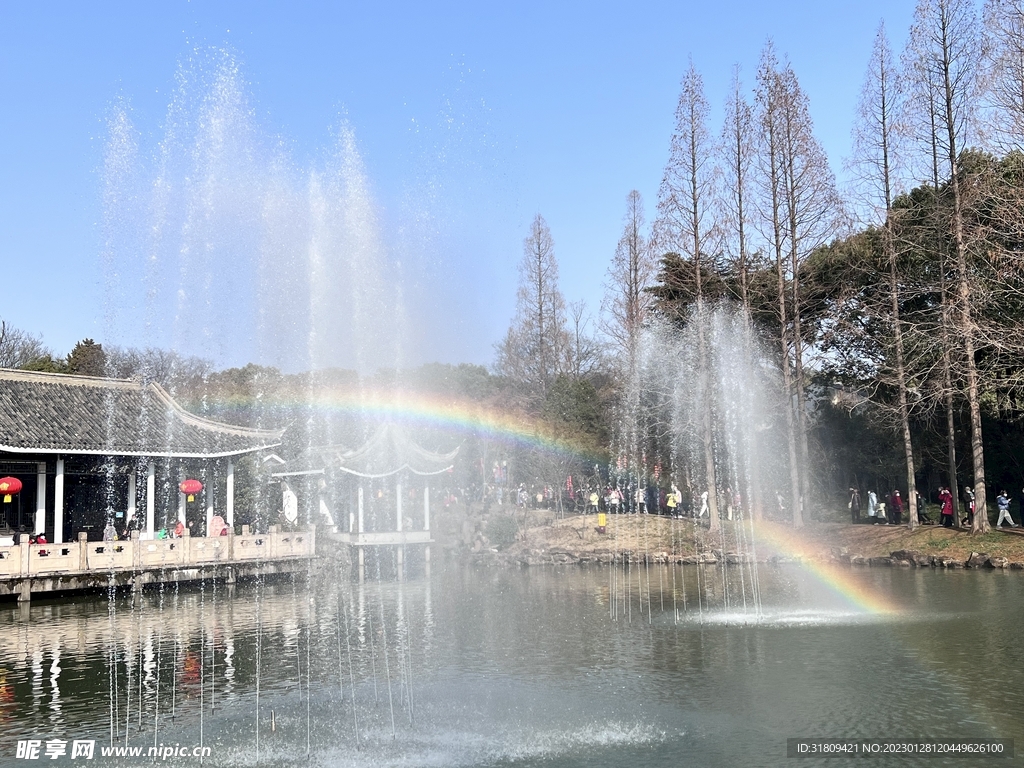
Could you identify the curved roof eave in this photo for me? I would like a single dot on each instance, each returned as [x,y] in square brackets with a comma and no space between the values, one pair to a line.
[138,454]
[203,423]
[404,467]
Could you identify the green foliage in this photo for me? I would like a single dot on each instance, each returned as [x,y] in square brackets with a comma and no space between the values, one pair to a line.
[576,407]
[87,359]
[501,531]
[46,364]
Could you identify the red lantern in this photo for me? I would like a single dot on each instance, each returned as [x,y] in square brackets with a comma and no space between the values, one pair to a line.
[8,487]
[191,487]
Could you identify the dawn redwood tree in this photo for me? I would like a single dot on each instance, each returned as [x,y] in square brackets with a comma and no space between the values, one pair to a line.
[812,207]
[874,161]
[772,198]
[1004,74]
[533,351]
[736,159]
[946,46]
[583,353]
[627,300]
[801,212]
[686,210]
[922,122]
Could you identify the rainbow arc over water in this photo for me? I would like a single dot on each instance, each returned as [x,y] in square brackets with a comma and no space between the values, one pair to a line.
[846,582]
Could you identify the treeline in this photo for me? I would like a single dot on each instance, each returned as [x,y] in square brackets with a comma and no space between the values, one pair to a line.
[892,306]
[893,303]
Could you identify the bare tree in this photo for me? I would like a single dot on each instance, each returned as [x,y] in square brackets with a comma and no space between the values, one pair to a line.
[534,348]
[736,150]
[802,212]
[18,347]
[947,49]
[773,193]
[813,218]
[627,301]
[875,135]
[1004,74]
[583,353]
[686,202]
[921,118]
[736,158]
[166,367]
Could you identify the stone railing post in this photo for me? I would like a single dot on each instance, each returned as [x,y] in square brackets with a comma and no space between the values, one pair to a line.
[136,550]
[23,556]
[231,544]
[186,546]
[83,551]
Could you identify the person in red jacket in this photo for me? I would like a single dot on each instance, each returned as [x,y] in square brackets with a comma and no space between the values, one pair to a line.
[896,505]
[946,503]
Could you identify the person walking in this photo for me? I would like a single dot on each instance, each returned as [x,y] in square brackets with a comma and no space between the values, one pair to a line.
[946,507]
[896,505]
[969,505]
[873,507]
[1003,503]
[854,505]
[922,510]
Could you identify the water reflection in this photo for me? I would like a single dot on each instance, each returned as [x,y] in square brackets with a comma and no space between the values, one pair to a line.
[495,666]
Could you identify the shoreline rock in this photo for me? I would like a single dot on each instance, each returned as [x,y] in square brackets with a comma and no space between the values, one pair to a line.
[897,559]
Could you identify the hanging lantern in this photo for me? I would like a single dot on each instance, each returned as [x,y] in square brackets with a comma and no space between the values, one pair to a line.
[190,487]
[8,487]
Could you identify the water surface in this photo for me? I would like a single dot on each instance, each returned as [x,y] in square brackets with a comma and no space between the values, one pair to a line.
[505,667]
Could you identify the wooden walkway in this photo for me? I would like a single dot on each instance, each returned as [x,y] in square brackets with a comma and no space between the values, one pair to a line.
[27,569]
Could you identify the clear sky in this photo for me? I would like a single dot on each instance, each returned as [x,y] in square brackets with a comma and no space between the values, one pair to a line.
[472,117]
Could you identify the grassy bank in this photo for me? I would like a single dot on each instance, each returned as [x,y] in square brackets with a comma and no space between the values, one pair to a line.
[542,539]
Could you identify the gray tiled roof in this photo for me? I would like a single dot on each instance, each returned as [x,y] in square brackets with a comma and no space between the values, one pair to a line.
[54,413]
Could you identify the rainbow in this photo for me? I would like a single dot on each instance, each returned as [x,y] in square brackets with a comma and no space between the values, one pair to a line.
[420,410]
[844,581]
[483,420]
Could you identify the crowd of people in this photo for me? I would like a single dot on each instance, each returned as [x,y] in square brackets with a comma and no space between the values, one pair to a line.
[890,510]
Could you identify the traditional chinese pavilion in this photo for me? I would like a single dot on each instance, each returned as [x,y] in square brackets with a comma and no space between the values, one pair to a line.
[377,494]
[89,450]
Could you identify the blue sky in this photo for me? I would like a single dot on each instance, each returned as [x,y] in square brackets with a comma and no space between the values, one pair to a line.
[479,115]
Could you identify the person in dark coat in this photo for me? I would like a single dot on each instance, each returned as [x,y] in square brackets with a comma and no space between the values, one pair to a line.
[854,505]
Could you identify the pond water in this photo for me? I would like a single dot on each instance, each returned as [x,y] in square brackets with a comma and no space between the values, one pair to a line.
[506,667]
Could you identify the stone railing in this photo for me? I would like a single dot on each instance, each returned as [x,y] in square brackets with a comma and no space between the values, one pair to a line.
[82,556]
